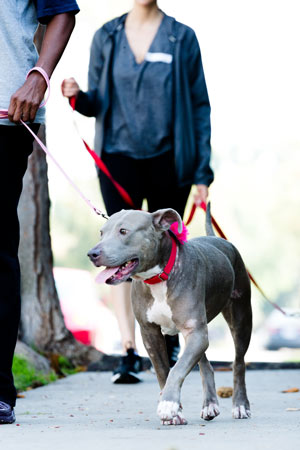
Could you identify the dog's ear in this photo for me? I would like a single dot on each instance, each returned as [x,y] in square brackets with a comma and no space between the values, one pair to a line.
[163,219]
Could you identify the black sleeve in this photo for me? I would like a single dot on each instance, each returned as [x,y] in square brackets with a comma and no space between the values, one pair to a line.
[46,9]
[201,111]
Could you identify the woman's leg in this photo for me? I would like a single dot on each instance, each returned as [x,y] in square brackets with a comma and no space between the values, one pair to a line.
[125,171]
[120,296]
[161,184]
[163,192]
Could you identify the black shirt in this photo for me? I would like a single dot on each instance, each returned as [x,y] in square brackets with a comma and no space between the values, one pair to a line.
[48,8]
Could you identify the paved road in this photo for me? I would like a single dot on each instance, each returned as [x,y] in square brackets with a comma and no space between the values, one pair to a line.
[87,411]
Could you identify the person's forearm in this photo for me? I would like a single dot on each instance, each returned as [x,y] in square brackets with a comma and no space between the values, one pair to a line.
[88,104]
[56,37]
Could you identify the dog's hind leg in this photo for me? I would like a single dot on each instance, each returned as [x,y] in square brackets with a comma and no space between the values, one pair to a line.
[210,408]
[238,315]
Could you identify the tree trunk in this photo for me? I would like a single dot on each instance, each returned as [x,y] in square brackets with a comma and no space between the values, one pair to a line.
[42,323]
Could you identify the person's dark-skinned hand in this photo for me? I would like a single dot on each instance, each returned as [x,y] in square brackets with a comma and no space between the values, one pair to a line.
[25,102]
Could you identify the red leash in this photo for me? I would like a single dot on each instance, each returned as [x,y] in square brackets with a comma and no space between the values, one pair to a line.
[214,222]
[126,197]
[220,232]
[101,165]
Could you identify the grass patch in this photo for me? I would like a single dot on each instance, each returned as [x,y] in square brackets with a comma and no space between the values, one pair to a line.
[26,376]
[65,366]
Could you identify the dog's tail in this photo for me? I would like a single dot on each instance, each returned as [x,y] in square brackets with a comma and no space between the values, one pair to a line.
[208,225]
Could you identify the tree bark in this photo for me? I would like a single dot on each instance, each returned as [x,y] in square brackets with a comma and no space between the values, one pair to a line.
[42,323]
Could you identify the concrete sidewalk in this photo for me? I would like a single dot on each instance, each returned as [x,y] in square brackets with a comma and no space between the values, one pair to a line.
[87,411]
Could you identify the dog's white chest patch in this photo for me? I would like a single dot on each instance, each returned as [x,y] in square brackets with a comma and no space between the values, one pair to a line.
[160,312]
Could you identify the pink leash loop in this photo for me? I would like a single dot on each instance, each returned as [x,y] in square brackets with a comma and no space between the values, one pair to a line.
[46,78]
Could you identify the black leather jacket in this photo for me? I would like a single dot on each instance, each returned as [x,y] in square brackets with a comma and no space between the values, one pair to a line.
[191,132]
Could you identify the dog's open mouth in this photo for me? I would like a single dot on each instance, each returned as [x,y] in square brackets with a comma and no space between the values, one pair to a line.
[112,275]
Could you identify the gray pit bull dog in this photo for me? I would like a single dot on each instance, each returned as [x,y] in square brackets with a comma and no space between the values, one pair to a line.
[208,277]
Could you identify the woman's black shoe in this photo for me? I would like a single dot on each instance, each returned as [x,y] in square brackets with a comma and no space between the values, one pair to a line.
[173,348]
[126,372]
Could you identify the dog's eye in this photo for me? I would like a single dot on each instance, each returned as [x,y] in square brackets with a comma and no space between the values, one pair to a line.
[123,231]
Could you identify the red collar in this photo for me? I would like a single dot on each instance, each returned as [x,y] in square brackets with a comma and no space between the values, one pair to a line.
[164,275]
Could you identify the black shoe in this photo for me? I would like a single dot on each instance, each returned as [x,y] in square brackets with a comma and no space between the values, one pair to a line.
[129,366]
[173,348]
[7,414]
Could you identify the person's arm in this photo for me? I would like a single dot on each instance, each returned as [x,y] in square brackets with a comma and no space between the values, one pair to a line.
[25,101]
[201,111]
[89,103]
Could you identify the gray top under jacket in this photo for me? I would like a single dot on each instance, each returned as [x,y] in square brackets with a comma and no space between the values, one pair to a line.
[190,109]
[139,120]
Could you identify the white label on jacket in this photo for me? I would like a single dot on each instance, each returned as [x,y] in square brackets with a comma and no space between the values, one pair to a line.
[159,57]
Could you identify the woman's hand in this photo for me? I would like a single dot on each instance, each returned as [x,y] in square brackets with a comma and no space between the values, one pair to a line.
[201,194]
[70,88]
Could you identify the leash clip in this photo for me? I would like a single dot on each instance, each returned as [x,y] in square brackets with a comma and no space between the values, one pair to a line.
[100,213]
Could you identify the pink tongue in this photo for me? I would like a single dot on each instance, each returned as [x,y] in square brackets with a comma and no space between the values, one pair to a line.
[105,274]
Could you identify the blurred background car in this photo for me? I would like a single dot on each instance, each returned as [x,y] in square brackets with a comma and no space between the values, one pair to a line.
[87,312]
[282,331]
[88,318]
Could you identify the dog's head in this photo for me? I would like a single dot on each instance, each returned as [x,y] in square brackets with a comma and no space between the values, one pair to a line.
[130,243]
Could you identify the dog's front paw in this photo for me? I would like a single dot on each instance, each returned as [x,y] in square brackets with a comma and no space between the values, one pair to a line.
[170,413]
[210,412]
[241,412]
[166,410]
[177,420]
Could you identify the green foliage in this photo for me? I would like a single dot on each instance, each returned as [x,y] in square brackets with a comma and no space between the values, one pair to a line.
[295,358]
[66,367]
[26,376]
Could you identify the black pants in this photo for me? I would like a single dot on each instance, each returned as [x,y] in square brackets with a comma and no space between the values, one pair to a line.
[15,147]
[153,179]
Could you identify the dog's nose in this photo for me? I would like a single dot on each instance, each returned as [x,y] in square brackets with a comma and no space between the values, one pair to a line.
[93,254]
